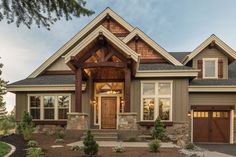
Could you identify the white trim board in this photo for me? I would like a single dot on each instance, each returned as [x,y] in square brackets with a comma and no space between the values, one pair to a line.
[153,44]
[78,36]
[212,88]
[208,41]
[166,73]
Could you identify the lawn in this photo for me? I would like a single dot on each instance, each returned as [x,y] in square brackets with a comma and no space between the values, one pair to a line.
[4,149]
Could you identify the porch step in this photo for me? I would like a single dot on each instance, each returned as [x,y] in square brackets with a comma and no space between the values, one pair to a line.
[102,135]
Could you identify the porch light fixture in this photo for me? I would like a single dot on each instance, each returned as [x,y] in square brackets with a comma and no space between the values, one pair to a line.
[189,114]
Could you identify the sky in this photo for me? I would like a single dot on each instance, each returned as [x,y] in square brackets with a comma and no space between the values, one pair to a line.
[175,25]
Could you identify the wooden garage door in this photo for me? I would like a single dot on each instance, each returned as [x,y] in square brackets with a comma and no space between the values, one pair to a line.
[211,126]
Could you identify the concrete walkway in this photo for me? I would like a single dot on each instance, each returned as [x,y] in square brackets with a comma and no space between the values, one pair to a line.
[124,144]
[215,154]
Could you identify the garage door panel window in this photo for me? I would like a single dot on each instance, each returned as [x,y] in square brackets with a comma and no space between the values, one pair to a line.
[156,100]
[220,114]
[200,114]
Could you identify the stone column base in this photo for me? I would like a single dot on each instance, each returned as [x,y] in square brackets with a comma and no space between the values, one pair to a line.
[127,121]
[77,121]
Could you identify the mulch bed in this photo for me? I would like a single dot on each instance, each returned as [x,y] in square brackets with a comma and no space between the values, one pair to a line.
[46,141]
[18,142]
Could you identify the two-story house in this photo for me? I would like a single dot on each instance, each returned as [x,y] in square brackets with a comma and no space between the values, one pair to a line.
[112,76]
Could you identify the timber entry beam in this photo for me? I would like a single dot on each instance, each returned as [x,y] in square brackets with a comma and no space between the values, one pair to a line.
[78,90]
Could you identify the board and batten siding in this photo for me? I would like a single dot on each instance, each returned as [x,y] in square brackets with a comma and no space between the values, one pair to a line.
[179,103]
[213,53]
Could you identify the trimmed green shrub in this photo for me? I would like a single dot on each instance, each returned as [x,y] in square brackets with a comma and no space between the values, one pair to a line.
[75,148]
[59,141]
[158,131]
[90,145]
[34,152]
[189,146]
[154,145]
[118,149]
[32,144]
[60,134]
[27,133]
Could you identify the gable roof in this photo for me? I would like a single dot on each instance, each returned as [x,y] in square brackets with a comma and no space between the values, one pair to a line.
[208,41]
[78,36]
[179,55]
[111,37]
[153,44]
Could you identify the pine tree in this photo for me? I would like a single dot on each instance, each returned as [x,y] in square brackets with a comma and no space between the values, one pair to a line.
[158,131]
[2,92]
[90,145]
[41,12]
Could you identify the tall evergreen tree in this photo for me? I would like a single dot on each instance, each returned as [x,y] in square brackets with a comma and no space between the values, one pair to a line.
[2,92]
[42,12]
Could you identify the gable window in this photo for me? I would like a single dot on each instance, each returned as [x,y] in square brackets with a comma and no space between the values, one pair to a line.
[49,107]
[210,67]
[156,100]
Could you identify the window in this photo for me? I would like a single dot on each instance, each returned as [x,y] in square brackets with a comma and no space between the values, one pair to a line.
[63,106]
[156,100]
[35,107]
[210,67]
[200,114]
[49,107]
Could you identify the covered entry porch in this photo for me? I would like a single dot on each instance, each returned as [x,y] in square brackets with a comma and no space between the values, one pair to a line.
[106,68]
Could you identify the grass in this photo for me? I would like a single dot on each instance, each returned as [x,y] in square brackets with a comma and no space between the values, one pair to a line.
[4,149]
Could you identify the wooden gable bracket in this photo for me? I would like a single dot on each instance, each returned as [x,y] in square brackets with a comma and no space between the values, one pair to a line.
[212,44]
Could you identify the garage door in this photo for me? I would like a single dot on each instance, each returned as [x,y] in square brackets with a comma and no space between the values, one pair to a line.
[211,126]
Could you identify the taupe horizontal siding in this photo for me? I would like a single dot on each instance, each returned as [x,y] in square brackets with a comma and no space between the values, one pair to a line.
[21,105]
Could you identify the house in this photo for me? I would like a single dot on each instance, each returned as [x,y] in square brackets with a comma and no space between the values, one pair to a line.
[112,76]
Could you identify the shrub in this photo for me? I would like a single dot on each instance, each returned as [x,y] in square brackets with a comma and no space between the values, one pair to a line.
[158,131]
[27,133]
[189,146]
[32,143]
[154,145]
[6,125]
[34,152]
[59,141]
[118,149]
[90,145]
[60,134]
[75,148]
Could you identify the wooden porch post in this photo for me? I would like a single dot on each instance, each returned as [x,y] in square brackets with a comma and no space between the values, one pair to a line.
[78,90]
[127,89]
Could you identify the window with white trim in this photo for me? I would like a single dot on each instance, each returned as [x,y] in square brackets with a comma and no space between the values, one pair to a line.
[156,100]
[49,107]
[210,67]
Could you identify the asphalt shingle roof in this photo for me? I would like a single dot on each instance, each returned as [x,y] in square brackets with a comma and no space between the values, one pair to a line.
[162,67]
[47,80]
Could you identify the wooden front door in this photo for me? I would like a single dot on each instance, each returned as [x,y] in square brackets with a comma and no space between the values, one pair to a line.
[108,115]
[211,126]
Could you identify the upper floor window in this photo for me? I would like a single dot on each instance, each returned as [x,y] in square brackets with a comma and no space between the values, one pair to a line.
[210,67]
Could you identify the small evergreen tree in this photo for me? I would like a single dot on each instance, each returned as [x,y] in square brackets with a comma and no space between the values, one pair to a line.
[158,131]
[3,91]
[90,145]
[26,126]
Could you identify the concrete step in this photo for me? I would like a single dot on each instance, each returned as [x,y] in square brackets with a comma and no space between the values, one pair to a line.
[103,135]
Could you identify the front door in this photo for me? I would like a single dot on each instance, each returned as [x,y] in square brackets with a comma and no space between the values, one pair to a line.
[108,112]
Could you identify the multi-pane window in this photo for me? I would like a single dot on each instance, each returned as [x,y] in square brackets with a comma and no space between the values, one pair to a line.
[49,107]
[156,100]
[63,106]
[35,106]
[210,66]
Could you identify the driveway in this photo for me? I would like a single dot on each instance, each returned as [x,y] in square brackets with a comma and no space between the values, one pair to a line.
[229,149]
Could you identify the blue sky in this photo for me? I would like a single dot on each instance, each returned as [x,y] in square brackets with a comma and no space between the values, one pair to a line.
[176,25]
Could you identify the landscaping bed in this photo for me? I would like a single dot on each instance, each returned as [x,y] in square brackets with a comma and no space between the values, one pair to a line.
[46,141]
[17,141]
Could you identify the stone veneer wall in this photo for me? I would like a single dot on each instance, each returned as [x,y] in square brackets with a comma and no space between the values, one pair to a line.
[127,121]
[78,121]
